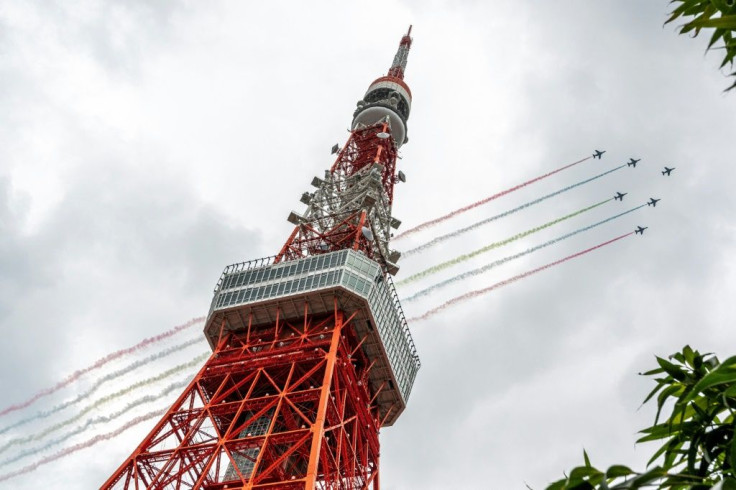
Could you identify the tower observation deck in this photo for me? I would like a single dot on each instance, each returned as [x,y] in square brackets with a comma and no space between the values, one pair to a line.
[311,354]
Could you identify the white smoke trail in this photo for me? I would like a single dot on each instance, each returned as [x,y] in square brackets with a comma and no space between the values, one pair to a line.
[82,445]
[462,258]
[58,408]
[478,292]
[459,232]
[485,268]
[101,362]
[90,422]
[433,222]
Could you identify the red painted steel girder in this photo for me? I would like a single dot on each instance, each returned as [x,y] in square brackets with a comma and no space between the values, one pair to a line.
[364,148]
[270,409]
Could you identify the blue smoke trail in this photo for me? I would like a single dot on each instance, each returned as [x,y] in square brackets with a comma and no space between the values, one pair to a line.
[459,232]
[82,445]
[462,258]
[485,268]
[90,422]
[100,382]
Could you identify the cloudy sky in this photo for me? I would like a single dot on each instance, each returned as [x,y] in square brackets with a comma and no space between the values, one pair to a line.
[143,148]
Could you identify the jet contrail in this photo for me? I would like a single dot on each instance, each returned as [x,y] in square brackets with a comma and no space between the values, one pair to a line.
[430,223]
[107,398]
[462,258]
[459,232]
[485,268]
[478,292]
[104,419]
[82,445]
[101,362]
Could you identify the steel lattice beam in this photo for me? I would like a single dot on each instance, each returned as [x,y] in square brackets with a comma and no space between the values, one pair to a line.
[309,389]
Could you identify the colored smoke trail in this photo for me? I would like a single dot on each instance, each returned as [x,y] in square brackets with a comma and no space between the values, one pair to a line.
[430,223]
[90,422]
[107,398]
[479,292]
[82,445]
[101,362]
[92,389]
[485,268]
[459,232]
[462,258]
[108,377]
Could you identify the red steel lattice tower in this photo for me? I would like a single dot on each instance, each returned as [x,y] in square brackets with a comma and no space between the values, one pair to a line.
[311,351]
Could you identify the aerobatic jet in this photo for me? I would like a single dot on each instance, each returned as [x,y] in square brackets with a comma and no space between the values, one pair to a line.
[597,154]
[653,202]
[632,162]
[619,196]
[639,230]
[667,170]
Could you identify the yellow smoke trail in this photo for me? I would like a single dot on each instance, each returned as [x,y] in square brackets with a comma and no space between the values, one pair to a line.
[485,268]
[462,258]
[108,398]
[102,419]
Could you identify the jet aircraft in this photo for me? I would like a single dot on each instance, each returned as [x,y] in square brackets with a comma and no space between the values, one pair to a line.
[597,154]
[640,230]
[653,202]
[632,162]
[667,170]
[619,196]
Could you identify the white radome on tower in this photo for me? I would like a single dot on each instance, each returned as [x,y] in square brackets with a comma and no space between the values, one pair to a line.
[388,98]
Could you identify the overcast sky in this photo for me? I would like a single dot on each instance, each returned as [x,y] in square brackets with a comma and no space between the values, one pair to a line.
[143,148]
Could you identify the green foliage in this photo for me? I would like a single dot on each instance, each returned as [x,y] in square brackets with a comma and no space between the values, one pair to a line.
[719,15]
[698,447]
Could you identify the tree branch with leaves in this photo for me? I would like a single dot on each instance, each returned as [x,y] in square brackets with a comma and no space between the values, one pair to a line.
[698,450]
[719,15]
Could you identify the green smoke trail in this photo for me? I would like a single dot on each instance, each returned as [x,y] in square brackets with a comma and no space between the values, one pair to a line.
[103,419]
[101,381]
[101,362]
[114,396]
[462,258]
[478,292]
[82,445]
[485,221]
[485,268]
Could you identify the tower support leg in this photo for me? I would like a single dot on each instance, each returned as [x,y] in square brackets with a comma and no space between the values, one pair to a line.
[284,405]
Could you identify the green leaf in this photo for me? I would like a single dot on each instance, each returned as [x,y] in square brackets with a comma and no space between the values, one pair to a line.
[725,22]
[714,378]
[586,458]
[660,382]
[732,454]
[584,472]
[687,351]
[618,471]
[717,34]
[728,484]
[722,5]
[662,398]
[674,371]
[648,477]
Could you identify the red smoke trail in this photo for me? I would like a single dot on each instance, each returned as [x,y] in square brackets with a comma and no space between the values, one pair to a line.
[101,362]
[82,445]
[429,224]
[479,292]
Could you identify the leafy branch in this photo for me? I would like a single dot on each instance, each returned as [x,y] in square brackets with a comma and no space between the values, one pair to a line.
[698,450]
[719,15]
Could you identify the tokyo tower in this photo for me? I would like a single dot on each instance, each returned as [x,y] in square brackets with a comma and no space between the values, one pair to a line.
[312,355]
